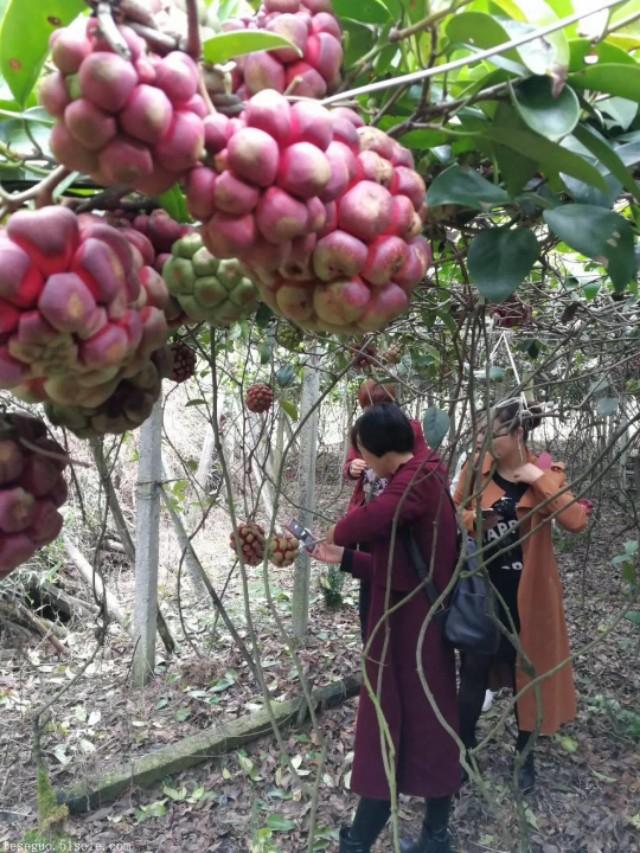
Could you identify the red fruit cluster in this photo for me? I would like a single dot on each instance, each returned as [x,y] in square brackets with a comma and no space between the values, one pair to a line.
[512,313]
[282,550]
[183,361]
[77,307]
[325,212]
[137,123]
[365,356]
[125,409]
[249,538]
[31,489]
[258,398]
[310,71]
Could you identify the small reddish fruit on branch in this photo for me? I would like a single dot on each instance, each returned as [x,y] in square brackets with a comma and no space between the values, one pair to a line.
[249,538]
[32,489]
[365,357]
[259,398]
[512,313]
[183,361]
[282,550]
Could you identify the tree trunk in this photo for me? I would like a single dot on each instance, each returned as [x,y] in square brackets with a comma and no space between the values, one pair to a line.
[147,547]
[306,490]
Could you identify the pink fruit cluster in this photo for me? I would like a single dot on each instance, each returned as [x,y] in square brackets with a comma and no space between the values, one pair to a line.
[311,70]
[325,212]
[78,307]
[138,123]
[31,489]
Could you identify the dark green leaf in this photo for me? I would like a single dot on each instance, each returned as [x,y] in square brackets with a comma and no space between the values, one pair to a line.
[601,149]
[369,12]
[460,185]
[24,39]
[516,169]
[547,115]
[264,315]
[477,29]
[436,426]
[616,79]
[499,260]
[598,234]
[603,52]
[225,46]
[552,158]
[633,616]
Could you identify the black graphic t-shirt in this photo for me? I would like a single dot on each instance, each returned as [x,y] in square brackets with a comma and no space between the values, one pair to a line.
[505,568]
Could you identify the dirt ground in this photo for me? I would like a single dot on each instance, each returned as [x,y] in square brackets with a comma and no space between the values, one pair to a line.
[588,794]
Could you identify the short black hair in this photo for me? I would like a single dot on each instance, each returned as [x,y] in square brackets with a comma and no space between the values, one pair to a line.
[383,428]
[514,415]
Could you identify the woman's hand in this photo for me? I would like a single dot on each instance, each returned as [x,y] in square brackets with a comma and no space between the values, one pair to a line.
[356,468]
[328,553]
[527,473]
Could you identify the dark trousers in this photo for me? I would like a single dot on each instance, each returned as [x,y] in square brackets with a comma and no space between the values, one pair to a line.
[372,815]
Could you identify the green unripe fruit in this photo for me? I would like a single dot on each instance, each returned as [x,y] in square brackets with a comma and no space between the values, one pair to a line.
[208,289]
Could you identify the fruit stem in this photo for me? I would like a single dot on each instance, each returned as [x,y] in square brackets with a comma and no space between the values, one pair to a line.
[194,46]
[109,29]
[40,191]
[161,43]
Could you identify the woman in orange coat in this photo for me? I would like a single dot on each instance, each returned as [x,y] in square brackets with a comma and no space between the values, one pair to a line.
[516,495]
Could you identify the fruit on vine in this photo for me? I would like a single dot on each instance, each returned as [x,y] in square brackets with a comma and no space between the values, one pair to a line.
[136,122]
[80,308]
[183,361]
[372,393]
[392,355]
[512,313]
[282,550]
[259,398]
[310,69]
[126,408]
[289,336]
[208,289]
[32,488]
[325,212]
[250,540]
[365,356]
[285,375]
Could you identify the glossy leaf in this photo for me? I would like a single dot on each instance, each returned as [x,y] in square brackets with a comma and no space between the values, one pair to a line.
[436,426]
[598,234]
[608,157]
[225,46]
[617,79]
[369,12]
[515,169]
[174,202]
[546,114]
[290,408]
[24,39]
[500,259]
[460,185]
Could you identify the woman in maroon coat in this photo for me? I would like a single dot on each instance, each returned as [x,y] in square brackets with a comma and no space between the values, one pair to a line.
[422,757]
[367,484]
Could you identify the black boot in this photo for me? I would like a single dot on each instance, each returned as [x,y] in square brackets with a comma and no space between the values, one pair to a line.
[429,842]
[526,773]
[348,845]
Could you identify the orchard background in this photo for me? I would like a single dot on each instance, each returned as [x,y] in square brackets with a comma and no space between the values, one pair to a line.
[218,220]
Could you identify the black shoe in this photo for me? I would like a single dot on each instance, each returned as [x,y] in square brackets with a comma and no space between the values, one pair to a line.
[348,845]
[429,842]
[527,775]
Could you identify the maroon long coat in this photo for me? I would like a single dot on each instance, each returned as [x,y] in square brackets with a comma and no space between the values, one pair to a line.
[357,497]
[425,756]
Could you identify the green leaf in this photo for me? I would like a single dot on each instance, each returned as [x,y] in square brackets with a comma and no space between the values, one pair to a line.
[598,234]
[618,79]
[634,617]
[584,52]
[476,28]
[174,202]
[436,426]
[516,169]
[460,185]
[545,114]
[264,315]
[601,149]
[24,39]
[499,259]
[369,12]
[290,409]
[551,157]
[280,824]
[198,402]
[225,46]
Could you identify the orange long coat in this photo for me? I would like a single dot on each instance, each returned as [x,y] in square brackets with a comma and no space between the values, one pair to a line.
[543,631]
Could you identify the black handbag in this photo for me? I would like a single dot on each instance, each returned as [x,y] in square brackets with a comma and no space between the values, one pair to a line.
[469,622]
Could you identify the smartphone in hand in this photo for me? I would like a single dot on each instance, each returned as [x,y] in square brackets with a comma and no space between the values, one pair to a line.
[305,536]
